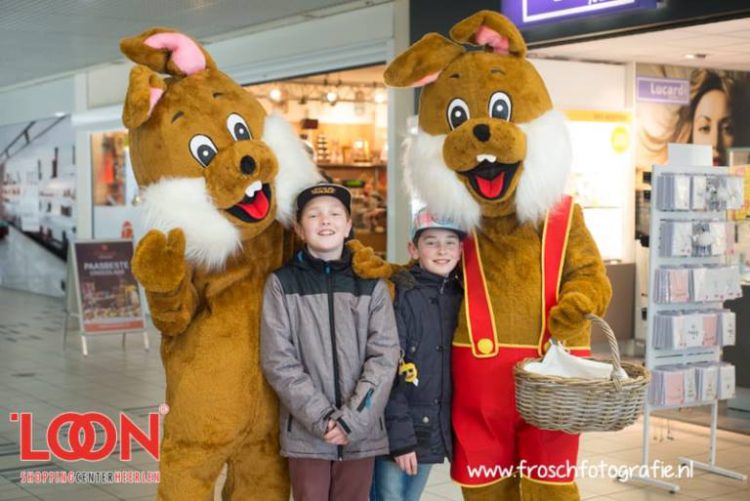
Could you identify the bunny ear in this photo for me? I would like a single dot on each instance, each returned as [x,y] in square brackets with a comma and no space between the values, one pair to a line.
[167,51]
[493,30]
[423,62]
[144,91]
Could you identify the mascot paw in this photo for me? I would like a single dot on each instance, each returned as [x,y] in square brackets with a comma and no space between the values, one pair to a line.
[159,260]
[569,316]
[403,279]
[366,264]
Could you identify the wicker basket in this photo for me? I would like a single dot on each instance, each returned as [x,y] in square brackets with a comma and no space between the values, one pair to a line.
[576,405]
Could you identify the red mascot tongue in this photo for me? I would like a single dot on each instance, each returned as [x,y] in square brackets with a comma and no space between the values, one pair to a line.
[491,188]
[258,208]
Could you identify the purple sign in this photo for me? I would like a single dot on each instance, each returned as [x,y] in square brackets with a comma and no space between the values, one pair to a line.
[525,12]
[663,90]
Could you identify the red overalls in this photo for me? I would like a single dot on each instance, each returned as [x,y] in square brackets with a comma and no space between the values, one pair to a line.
[490,436]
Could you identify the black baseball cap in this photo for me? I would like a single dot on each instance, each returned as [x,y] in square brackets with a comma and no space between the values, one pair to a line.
[324,190]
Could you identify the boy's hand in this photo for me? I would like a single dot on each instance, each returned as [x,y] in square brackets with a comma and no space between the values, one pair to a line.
[407,463]
[334,434]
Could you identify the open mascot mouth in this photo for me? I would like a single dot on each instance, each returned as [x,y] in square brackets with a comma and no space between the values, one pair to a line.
[490,178]
[255,203]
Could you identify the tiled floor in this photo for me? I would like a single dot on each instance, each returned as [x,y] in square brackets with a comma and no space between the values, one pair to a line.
[37,376]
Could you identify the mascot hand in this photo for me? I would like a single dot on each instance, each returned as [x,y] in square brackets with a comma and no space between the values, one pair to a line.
[568,317]
[159,260]
[366,264]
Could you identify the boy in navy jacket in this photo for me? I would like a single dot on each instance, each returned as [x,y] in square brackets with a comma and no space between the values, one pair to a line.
[418,410]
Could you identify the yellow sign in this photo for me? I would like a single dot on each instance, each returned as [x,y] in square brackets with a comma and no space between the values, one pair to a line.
[620,139]
[597,116]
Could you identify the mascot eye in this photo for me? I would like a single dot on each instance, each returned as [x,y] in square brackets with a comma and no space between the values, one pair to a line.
[458,112]
[203,149]
[238,127]
[500,106]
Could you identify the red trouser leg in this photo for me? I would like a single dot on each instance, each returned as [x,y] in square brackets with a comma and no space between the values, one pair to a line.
[490,436]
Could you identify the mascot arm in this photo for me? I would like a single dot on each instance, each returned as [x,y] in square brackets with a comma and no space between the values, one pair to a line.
[360,413]
[282,367]
[368,265]
[173,312]
[159,265]
[584,287]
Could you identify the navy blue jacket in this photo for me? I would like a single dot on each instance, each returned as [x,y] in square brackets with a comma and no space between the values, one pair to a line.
[418,417]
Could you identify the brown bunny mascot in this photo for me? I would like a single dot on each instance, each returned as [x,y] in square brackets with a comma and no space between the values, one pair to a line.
[491,153]
[215,174]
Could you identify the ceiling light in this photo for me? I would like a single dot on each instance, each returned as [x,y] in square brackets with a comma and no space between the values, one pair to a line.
[380,96]
[276,95]
[696,55]
[332,97]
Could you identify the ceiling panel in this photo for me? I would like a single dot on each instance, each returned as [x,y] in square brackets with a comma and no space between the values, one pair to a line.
[43,38]
[726,44]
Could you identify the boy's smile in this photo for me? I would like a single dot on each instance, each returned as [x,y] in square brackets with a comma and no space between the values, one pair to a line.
[438,250]
[323,225]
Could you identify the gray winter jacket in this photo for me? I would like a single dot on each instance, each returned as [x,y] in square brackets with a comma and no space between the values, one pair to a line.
[329,348]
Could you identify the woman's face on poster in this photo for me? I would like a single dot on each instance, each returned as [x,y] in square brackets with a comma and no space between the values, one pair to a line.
[712,124]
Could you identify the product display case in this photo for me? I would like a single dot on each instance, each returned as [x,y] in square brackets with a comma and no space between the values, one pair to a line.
[342,119]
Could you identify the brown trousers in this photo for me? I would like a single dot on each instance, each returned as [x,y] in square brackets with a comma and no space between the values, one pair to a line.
[324,480]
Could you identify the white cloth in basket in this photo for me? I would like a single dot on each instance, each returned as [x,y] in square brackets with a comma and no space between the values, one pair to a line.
[558,362]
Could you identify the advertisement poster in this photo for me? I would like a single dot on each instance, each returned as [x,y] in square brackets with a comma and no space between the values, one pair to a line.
[676,104]
[108,292]
[108,164]
[602,165]
[114,187]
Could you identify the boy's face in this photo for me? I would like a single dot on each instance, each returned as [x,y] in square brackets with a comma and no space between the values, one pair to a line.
[438,251]
[323,225]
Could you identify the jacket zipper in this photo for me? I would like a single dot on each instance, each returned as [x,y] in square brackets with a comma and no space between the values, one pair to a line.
[336,389]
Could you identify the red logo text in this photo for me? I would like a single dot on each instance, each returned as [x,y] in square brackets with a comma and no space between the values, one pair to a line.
[81,439]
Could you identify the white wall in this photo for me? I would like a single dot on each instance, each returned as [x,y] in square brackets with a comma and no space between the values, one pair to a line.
[587,86]
[597,86]
[43,100]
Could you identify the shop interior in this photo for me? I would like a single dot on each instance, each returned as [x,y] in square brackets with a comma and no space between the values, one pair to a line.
[342,117]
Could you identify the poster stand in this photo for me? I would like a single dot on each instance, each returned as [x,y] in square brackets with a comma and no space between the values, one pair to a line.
[85,312]
[686,160]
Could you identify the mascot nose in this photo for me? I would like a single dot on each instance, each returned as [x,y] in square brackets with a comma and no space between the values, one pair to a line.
[482,132]
[247,165]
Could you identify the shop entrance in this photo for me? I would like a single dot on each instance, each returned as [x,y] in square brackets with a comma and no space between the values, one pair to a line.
[342,117]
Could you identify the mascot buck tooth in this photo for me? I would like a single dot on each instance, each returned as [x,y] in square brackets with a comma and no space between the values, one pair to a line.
[215,173]
[491,153]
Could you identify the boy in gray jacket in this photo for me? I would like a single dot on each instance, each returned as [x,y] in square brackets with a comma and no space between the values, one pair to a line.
[329,349]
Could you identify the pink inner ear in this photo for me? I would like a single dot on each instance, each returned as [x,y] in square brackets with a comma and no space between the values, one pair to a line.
[488,36]
[185,52]
[153,98]
[426,80]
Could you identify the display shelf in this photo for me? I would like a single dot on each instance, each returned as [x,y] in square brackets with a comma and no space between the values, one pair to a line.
[323,165]
[684,160]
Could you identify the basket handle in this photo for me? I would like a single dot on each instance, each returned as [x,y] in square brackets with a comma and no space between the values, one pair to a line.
[613,347]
